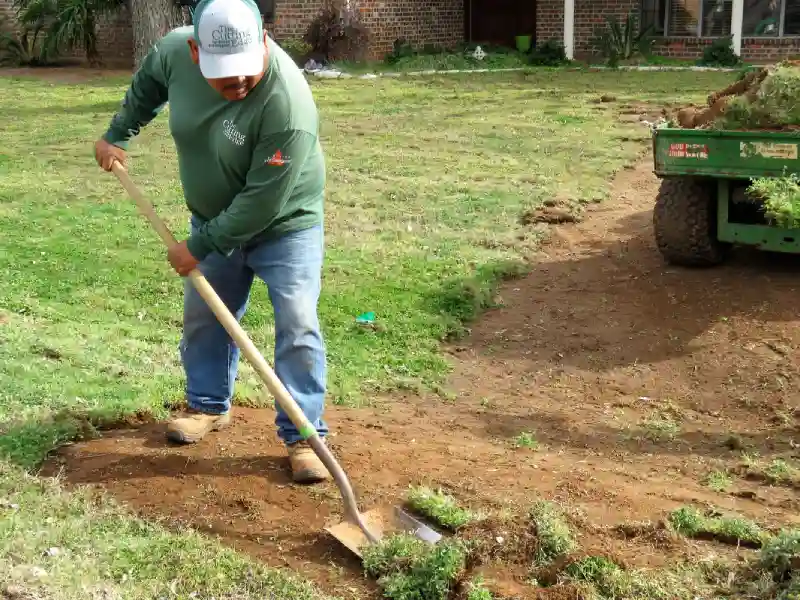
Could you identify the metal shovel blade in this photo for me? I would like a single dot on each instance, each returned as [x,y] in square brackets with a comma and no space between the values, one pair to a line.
[381,522]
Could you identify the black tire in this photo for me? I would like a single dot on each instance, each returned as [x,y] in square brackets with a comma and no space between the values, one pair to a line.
[685,223]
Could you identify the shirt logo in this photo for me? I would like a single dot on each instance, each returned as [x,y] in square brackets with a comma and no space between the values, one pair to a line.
[277,160]
[232,133]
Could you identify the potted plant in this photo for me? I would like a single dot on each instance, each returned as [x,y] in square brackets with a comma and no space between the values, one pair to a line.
[523,42]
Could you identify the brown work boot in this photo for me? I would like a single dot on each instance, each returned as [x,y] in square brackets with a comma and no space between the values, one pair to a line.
[193,426]
[306,465]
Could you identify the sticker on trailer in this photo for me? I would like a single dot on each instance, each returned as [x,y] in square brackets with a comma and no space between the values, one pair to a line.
[768,150]
[688,151]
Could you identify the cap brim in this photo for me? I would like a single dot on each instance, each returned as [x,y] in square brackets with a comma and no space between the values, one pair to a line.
[218,66]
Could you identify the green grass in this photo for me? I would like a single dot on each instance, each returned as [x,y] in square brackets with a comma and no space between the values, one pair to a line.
[778,471]
[409,569]
[781,199]
[101,551]
[775,104]
[719,481]
[526,439]
[600,578]
[689,521]
[427,179]
[555,536]
[660,427]
[438,506]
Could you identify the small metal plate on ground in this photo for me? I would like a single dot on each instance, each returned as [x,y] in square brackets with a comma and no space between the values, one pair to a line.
[381,522]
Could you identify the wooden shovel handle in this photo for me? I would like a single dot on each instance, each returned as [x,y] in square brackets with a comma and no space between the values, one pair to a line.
[226,318]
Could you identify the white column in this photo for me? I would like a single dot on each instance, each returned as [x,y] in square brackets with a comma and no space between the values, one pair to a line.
[569,28]
[736,25]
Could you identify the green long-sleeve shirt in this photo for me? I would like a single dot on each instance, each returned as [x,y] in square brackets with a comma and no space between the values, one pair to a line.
[252,169]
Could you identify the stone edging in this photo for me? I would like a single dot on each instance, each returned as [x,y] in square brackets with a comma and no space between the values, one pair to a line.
[335,74]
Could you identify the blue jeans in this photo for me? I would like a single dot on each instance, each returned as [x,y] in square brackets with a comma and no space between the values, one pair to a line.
[291,267]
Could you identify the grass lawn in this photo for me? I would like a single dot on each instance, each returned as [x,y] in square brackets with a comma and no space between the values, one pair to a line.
[428,178]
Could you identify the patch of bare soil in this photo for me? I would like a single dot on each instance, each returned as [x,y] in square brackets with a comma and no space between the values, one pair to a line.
[633,376]
[511,540]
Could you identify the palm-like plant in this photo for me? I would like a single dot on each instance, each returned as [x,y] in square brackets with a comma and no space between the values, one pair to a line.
[621,41]
[26,47]
[67,24]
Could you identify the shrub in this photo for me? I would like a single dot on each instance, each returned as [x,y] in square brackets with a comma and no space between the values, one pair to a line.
[780,556]
[720,54]
[298,49]
[549,53]
[401,48]
[781,199]
[337,32]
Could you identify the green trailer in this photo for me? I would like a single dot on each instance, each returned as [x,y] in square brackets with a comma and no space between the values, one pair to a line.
[703,209]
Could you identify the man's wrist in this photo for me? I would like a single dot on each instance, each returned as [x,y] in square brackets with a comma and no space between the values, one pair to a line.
[199,246]
[115,139]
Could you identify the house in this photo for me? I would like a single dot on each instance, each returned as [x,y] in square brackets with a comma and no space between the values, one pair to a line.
[762,30]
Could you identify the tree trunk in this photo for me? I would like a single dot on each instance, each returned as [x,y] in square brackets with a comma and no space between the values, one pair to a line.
[152,19]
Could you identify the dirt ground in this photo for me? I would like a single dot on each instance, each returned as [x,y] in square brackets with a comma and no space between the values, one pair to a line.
[595,353]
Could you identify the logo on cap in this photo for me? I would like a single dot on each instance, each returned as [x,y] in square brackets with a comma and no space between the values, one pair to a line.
[226,36]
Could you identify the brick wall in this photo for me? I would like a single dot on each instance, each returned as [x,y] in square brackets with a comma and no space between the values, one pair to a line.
[590,14]
[6,13]
[766,50]
[421,22]
[755,50]
[293,16]
[115,39]
[549,20]
[439,22]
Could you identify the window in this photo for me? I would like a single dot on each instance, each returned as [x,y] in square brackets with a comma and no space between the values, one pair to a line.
[712,18]
[717,16]
[684,18]
[653,13]
[771,18]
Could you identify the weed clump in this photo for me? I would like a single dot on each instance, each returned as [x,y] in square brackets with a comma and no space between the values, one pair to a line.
[780,197]
[476,590]
[774,574]
[409,569]
[603,577]
[555,538]
[780,556]
[690,522]
[438,506]
[604,574]
[762,99]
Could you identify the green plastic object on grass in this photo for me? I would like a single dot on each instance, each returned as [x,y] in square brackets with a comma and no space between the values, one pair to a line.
[367,318]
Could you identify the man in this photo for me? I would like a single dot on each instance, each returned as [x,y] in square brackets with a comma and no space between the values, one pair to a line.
[245,127]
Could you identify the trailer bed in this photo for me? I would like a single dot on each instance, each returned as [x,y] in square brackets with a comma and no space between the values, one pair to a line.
[725,154]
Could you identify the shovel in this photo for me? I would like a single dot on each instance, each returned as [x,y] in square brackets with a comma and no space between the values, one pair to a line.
[357,530]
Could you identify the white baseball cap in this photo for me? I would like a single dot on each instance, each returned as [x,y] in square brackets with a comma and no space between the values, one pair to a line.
[230,37]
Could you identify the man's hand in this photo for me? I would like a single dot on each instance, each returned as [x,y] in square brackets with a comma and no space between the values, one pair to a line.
[181,259]
[105,154]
